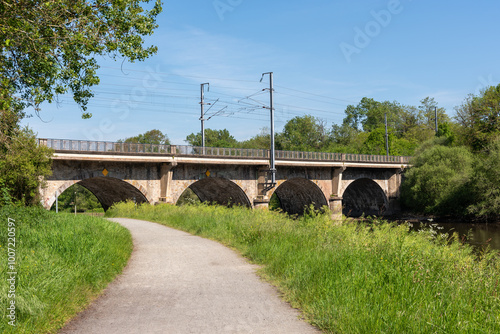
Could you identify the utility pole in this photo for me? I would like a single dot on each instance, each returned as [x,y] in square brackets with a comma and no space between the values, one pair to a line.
[271,108]
[386,136]
[202,118]
[436,118]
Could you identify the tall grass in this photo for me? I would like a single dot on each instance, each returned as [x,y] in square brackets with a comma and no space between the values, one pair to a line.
[373,277]
[63,261]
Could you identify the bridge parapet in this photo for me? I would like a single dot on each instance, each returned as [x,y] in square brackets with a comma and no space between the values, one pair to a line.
[85,146]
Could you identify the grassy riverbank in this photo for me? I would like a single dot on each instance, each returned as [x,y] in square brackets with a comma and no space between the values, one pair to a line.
[62,262]
[352,278]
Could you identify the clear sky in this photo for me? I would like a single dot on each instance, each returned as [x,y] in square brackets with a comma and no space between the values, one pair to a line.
[325,55]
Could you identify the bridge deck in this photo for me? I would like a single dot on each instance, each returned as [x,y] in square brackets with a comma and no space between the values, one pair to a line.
[114,151]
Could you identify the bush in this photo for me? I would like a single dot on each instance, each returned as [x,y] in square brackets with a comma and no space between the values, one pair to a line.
[487,183]
[23,164]
[439,180]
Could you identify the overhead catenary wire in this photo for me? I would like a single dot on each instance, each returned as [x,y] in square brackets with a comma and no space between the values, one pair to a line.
[164,97]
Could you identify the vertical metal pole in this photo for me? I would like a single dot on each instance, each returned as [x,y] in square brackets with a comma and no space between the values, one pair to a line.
[75,202]
[202,118]
[386,136]
[271,108]
[436,118]
[273,167]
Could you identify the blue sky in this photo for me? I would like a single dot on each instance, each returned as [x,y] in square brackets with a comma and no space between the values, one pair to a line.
[324,54]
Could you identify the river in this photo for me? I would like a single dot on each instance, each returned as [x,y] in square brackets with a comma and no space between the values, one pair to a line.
[478,235]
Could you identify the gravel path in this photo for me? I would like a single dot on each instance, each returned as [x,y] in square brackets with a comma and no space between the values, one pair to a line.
[179,283]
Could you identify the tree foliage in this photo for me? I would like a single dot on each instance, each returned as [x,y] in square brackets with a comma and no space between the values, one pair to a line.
[486,186]
[22,164]
[213,138]
[363,127]
[260,141]
[303,133]
[48,47]
[480,118]
[369,114]
[375,143]
[149,137]
[439,180]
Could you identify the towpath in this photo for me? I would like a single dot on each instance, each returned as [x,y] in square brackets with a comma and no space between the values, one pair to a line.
[179,283]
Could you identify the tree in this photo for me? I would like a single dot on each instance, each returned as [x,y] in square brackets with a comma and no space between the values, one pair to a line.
[48,47]
[213,138]
[150,137]
[480,118]
[343,134]
[486,187]
[444,130]
[260,141]
[368,115]
[427,114]
[409,126]
[22,163]
[439,180]
[303,133]
[375,143]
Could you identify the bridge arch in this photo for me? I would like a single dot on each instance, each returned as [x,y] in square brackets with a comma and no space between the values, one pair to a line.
[364,196]
[298,193]
[221,191]
[107,190]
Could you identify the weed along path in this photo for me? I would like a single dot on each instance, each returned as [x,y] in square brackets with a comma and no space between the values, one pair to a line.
[179,283]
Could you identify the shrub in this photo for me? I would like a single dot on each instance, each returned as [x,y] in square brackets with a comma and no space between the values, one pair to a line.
[439,180]
[486,179]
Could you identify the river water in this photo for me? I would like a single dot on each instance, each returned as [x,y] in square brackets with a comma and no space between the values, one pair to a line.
[478,235]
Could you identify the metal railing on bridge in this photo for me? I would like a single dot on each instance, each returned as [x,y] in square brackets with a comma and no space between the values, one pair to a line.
[187,150]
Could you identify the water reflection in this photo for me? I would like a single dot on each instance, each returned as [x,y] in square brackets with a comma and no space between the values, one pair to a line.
[478,235]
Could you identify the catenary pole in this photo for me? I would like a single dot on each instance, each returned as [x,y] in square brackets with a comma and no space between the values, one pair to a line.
[202,118]
[436,118]
[386,136]
[271,108]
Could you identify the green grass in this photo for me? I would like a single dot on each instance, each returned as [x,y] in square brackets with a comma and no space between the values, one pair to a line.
[63,262]
[372,277]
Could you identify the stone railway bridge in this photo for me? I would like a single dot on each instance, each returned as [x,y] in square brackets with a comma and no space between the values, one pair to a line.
[347,183]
